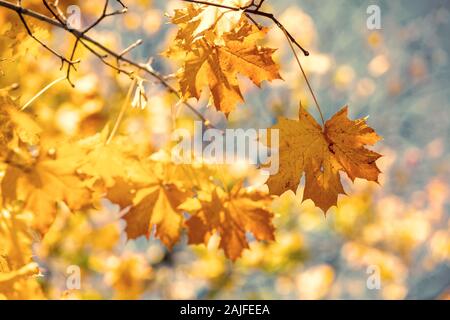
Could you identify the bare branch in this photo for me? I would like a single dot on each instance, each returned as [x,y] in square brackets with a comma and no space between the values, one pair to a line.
[122,4]
[95,23]
[260,4]
[254,21]
[103,57]
[94,46]
[63,59]
[55,14]
[248,10]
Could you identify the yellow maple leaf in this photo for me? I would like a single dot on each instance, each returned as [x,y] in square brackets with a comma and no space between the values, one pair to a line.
[208,63]
[17,270]
[220,20]
[17,128]
[16,42]
[21,283]
[103,162]
[230,214]
[49,179]
[15,238]
[153,202]
[321,153]
[195,19]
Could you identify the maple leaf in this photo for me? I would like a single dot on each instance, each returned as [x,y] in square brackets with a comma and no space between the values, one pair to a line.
[220,20]
[16,42]
[17,270]
[17,128]
[103,162]
[50,179]
[153,201]
[213,64]
[20,283]
[232,215]
[321,153]
[195,19]
[15,226]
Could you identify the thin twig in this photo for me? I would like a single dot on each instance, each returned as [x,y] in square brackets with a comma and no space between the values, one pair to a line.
[122,111]
[249,17]
[122,4]
[51,84]
[55,6]
[128,49]
[83,38]
[55,14]
[63,59]
[94,24]
[131,47]
[72,55]
[247,9]
[260,4]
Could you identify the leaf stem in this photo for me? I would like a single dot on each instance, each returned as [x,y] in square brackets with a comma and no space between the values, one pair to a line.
[43,90]
[121,112]
[306,78]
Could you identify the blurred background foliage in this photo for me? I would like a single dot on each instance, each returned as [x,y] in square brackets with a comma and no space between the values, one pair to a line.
[399,76]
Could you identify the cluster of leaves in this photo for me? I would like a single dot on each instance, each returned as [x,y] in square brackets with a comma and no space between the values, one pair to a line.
[41,173]
[214,51]
[213,56]
[44,172]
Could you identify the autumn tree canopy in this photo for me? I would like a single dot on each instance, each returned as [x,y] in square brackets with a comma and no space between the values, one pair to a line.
[63,167]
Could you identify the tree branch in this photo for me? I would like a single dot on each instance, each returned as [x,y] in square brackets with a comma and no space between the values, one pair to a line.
[248,10]
[63,59]
[99,19]
[93,46]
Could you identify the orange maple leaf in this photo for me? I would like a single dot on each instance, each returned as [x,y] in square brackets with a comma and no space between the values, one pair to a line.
[215,64]
[50,179]
[153,202]
[232,215]
[321,153]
